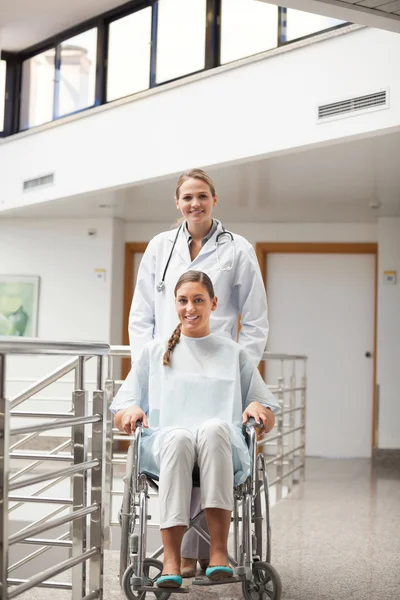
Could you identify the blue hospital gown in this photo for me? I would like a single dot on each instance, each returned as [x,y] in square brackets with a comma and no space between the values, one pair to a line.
[208,377]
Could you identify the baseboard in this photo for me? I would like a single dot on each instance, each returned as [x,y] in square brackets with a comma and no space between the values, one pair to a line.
[386,457]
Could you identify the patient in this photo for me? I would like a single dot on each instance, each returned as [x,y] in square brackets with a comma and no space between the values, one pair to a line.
[193,394]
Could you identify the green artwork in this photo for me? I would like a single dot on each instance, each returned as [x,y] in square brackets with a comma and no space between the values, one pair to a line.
[18,305]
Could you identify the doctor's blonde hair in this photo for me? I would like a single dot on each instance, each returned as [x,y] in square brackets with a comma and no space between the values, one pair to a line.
[188,277]
[195,174]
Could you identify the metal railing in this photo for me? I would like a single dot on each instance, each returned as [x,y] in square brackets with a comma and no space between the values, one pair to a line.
[284,450]
[83,543]
[284,447]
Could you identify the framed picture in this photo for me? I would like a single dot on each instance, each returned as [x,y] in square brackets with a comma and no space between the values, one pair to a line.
[19,305]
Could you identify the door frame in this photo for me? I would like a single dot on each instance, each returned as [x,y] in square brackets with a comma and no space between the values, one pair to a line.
[263,249]
[131,248]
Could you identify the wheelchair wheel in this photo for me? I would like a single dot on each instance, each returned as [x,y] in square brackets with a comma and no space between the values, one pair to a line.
[152,569]
[266,583]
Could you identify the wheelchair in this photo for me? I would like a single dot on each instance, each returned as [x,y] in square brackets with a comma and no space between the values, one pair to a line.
[138,573]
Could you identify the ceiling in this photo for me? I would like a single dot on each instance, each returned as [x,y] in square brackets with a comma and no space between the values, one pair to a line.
[24,23]
[336,183]
[382,14]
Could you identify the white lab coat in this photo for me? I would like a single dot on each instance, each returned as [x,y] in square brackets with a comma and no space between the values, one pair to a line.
[239,290]
[209,378]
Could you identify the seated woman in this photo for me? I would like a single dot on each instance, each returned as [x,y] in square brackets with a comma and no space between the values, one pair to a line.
[193,395]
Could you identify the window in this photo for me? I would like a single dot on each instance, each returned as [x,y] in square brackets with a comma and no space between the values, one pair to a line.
[3,66]
[247,27]
[300,24]
[181,38]
[129,48]
[37,94]
[77,80]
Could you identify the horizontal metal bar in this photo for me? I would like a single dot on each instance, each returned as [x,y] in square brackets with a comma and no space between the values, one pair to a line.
[40,500]
[42,550]
[118,461]
[52,572]
[57,585]
[120,351]
[117,493]
[18,537]
[91,596]
[33,456]
[12,345]
[126,351]
[66,368]
[47,542]
[275,356]
[90,464]
[56,425]
[273,460]
[115,523]
[277,479]
[291,410]
[293,389]
[279,435]
[293,451]
[44,415]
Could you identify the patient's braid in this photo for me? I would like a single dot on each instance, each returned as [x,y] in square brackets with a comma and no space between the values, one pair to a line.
[172,342]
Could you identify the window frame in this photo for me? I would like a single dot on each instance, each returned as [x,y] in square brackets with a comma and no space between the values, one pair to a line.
[102,23]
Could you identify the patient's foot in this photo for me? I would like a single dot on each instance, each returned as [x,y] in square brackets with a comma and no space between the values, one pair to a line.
[218,559]
[188,567]
[171,567]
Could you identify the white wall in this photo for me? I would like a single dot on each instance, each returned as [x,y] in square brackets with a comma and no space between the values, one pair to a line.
[260,108]
[388,343]
[73,304]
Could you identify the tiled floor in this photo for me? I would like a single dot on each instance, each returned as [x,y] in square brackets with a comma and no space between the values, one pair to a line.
[337,537]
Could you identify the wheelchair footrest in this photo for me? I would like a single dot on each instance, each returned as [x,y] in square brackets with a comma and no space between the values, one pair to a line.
[204,581]
[159,590]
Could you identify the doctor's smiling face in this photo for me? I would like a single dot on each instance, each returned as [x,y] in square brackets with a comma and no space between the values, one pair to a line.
[194,306]
[196,197]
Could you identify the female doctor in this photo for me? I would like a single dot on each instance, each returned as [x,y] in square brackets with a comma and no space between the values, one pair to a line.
[199,243]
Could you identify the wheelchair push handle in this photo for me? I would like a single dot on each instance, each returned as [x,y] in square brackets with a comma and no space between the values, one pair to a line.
[253,423]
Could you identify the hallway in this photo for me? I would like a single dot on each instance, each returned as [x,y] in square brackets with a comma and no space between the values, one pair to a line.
[335,538]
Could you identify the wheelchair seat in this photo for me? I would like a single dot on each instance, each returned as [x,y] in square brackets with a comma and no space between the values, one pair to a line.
[195,476]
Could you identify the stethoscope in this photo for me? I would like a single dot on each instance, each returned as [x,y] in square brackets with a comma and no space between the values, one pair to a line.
[161,286]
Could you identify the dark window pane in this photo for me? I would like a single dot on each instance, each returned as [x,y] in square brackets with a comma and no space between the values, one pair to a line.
[37,94]
[300,24]
[3,65]
[129,47]
[181,38]
[247,27]
[78,72]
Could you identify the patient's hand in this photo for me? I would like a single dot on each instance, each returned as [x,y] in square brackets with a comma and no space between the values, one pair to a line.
[126,419]
[261,414]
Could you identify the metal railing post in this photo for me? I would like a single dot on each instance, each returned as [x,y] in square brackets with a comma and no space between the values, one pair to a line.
[303,424]
[98,485]
[279,441]
[4,446]
[79,482]
[292,419]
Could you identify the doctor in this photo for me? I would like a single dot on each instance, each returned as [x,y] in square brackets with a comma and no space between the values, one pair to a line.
[200,243]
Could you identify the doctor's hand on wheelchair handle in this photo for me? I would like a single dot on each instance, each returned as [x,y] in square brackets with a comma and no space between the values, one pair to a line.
[261,415]
[130,417]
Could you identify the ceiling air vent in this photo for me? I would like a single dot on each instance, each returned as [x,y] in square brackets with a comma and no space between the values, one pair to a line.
[38,182]
[353,105]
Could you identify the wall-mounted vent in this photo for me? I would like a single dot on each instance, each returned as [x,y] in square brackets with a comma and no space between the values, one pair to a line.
[33,184]
[353,105]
